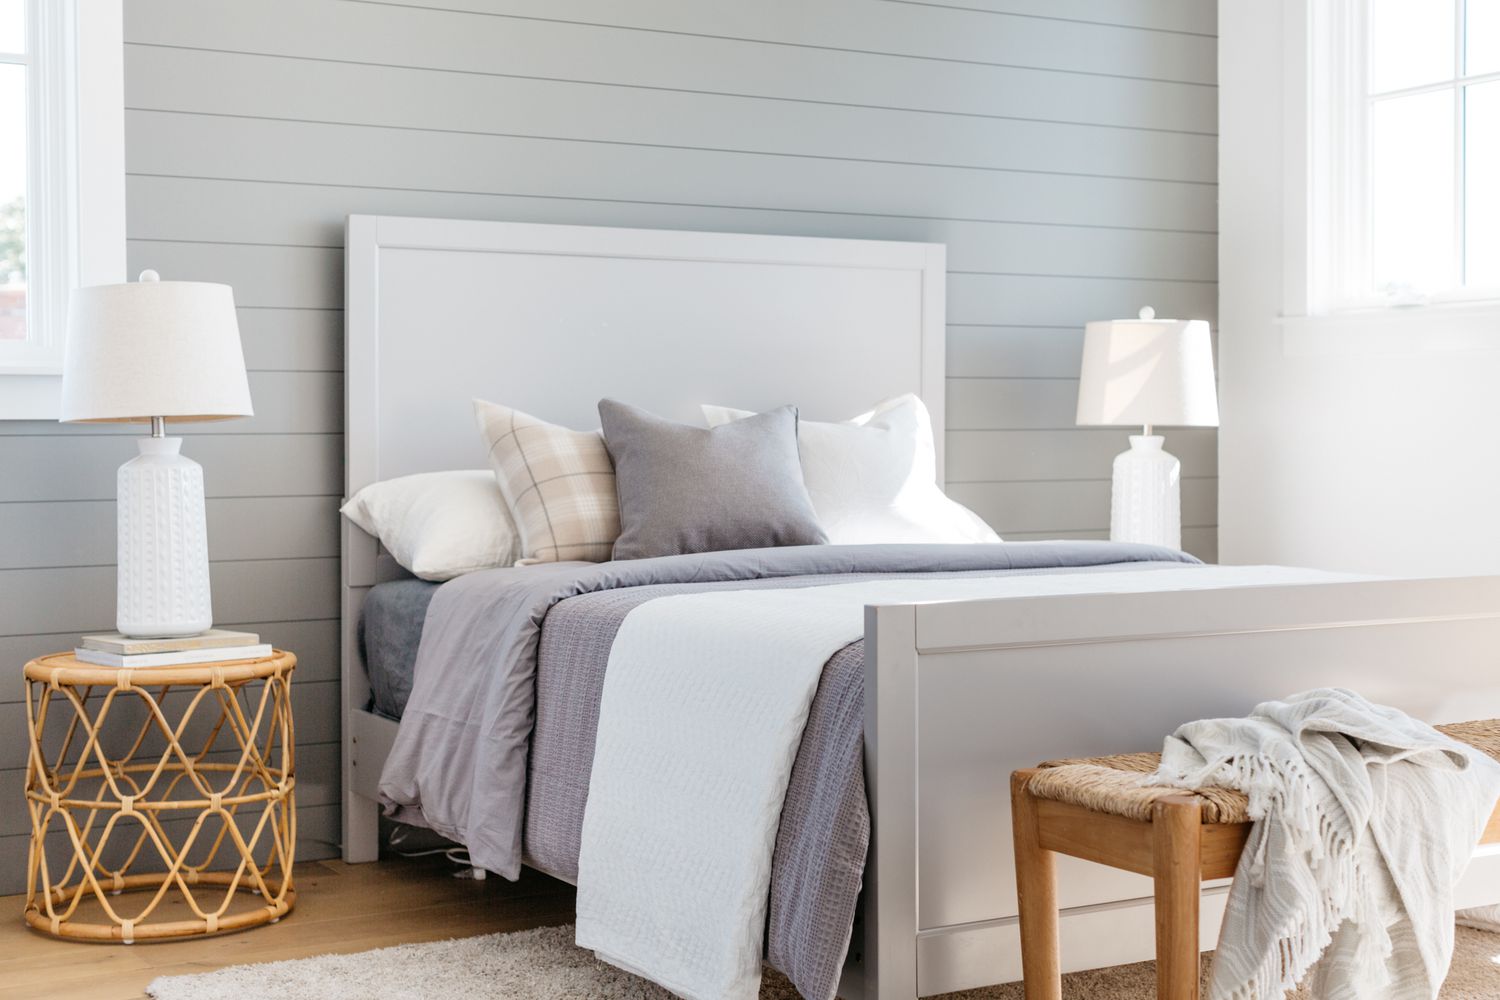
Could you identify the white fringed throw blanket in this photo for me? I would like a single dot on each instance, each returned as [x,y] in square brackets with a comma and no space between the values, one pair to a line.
[1365,820]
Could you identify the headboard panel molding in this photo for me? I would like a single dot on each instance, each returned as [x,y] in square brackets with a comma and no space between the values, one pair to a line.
[549,319]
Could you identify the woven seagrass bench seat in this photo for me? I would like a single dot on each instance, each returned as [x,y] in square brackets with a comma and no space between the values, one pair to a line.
[1112,784]
[1097,808]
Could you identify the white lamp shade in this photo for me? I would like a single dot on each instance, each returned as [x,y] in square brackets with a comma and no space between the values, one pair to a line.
[154,349]
[1148,371]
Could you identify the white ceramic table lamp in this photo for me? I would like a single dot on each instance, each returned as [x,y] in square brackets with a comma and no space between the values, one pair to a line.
[1147,372]
[149,352]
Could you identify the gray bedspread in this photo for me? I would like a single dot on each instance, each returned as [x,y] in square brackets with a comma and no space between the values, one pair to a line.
[505,649]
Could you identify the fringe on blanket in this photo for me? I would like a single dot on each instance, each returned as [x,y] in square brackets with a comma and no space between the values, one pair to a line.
[1284,788]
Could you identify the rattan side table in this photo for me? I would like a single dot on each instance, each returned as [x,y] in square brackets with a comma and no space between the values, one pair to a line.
[170,787]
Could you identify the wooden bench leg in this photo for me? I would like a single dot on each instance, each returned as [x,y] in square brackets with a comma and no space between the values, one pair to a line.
[1036,888]
[1177,831]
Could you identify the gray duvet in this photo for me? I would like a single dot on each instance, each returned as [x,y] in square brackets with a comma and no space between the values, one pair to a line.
[507,684]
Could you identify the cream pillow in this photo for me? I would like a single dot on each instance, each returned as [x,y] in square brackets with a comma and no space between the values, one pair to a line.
[438,525]
[873,478]
[558,483]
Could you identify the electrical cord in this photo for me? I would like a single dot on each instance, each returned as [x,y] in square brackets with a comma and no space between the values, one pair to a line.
[456,855]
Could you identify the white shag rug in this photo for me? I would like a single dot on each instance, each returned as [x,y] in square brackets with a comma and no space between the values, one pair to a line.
[541,964]
[544,964]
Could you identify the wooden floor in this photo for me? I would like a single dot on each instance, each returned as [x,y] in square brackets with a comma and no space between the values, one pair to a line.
[339,908]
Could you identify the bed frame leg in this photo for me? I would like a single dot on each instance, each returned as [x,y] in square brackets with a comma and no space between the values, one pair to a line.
[890,892]
[361,828]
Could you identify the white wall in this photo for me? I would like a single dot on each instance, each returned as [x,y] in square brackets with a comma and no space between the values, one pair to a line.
[1365,448]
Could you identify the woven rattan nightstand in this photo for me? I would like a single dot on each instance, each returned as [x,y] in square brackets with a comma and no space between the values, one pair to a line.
[169,787]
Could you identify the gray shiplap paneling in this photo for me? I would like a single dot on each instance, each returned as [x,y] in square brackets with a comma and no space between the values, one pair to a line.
[235,465]
[286,402]
[1072,505]
[177,209]
[82,599]
[395,36]
[306,90]
[1063,151]
[1189,16]
[1084,453]
[200,145]
[938,33]
[49,534]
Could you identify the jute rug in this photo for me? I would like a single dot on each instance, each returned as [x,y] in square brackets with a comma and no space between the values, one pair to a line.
[543,964]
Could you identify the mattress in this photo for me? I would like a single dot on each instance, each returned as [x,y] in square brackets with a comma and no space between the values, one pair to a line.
[390,630]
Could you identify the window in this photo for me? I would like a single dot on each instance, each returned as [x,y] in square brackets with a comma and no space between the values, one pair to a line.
[1404,137]
[61,182]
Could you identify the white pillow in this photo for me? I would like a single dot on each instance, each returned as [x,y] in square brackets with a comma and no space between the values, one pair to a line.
[438,525]
[873,478]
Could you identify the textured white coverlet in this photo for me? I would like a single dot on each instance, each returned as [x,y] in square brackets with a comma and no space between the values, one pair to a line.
[703,705]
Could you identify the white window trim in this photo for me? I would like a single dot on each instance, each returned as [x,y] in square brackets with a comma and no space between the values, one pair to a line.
[86,161]
[1311,324]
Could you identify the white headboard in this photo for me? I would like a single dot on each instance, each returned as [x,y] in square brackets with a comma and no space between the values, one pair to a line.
[549,319]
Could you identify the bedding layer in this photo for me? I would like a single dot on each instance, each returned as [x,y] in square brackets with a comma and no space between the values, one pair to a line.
[459,764]
[390,630]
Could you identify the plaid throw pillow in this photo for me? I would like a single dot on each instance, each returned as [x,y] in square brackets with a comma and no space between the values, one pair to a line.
[559,485]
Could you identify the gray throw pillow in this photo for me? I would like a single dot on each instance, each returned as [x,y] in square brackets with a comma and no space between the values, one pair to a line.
[695,489]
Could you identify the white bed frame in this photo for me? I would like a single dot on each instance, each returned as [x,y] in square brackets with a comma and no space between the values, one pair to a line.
[959,694]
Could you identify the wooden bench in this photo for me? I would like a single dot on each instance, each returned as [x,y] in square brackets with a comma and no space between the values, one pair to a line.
[1096,809]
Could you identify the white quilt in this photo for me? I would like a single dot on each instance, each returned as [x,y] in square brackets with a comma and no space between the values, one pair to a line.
[703,705]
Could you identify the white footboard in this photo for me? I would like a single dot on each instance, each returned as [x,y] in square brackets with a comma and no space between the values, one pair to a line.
[959,694]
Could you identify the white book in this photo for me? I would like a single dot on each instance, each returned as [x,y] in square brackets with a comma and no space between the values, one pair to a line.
[180,658]
[126,645]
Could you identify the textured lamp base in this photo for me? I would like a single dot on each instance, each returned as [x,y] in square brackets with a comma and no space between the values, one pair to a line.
[1146,505]
[163,565]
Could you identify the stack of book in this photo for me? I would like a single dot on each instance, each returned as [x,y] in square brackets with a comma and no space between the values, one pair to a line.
[214,646]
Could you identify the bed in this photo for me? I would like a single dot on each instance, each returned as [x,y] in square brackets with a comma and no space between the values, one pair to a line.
[956,693]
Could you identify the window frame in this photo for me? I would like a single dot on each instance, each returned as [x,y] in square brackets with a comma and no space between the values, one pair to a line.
[1338,212]
[75,185]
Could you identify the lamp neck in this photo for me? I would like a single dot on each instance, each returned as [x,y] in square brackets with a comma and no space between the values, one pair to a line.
[158,427]
[1146,431]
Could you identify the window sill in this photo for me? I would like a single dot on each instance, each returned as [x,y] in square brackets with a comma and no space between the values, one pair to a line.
[1407,330]
[29,396]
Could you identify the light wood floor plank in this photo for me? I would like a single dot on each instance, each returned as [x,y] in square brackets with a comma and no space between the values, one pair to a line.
[340,908]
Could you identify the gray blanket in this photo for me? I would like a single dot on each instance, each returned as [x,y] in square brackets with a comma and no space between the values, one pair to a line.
[459,764]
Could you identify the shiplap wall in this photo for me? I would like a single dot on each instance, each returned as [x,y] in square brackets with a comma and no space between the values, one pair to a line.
[1064,150]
